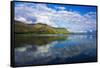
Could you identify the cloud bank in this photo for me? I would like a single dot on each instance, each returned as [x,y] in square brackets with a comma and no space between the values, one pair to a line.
[74,21]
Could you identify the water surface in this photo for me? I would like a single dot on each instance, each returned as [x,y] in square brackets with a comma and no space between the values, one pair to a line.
[41,50]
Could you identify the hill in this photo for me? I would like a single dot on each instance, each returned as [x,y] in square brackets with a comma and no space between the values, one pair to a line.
[39,28]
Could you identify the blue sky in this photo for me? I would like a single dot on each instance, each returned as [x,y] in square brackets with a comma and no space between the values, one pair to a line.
[81,9]
[72,17]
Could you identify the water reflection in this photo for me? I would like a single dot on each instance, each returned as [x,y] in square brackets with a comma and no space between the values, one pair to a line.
[52,50]
[22,40]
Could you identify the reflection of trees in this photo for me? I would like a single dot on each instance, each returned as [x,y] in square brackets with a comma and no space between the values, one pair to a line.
[21,40]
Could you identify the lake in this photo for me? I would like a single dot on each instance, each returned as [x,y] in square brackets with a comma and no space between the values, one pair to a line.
[42,50]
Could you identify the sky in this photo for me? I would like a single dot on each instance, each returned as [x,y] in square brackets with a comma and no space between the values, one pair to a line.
[74,18]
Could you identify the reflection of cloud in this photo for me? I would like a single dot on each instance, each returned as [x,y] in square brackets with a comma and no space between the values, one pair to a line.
[40,56]
[56,49]
[71,20]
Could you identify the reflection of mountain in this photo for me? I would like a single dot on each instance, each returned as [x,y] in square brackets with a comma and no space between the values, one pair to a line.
[39,28]
[22,40]
[75,48]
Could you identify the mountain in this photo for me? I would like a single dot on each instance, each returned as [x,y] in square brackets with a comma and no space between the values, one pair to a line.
[91,32]
[39,28]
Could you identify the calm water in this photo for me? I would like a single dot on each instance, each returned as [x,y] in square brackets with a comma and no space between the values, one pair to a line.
[40,50]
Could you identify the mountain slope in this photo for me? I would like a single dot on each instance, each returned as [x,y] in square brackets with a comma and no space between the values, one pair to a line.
[39,28]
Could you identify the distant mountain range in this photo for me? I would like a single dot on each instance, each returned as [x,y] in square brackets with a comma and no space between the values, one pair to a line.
[91,32]
[39,28]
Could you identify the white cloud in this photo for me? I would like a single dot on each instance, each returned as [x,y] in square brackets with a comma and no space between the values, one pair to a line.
[45,19]
[71,20]
[60,8]
[22,19]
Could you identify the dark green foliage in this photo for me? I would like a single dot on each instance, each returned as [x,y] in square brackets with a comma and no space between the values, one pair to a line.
[21,39]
